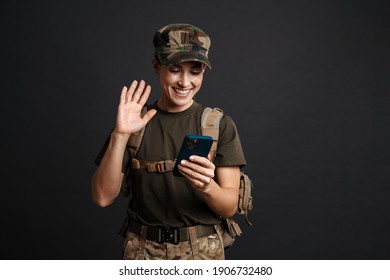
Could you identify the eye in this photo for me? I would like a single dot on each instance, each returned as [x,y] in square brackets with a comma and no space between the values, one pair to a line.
[196,71]
[174,69]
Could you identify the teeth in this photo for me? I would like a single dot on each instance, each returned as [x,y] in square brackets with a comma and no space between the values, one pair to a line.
[182,92]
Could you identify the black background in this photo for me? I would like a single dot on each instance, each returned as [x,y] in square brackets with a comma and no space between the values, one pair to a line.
[307,83]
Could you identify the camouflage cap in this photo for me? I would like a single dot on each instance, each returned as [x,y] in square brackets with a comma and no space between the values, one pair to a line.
[181,42]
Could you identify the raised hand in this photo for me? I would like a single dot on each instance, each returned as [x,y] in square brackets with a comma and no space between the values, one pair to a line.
[132,100]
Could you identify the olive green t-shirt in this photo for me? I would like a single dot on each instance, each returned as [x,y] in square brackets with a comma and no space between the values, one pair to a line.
[162,199]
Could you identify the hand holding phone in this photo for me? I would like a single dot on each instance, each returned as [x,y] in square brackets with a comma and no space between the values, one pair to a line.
[193,145]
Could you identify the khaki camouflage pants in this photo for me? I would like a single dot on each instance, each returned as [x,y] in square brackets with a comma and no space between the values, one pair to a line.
[203,248]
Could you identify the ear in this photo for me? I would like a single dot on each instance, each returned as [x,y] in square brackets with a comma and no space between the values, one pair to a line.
[203,68]
[156,66]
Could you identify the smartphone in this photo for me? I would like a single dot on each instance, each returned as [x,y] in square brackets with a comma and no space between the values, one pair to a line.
[193,145]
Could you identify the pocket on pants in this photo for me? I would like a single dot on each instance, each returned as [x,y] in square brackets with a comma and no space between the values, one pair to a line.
[132,250]
[211,248]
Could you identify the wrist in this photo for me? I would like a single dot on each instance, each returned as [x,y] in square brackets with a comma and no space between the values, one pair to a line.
[207,188]
[119,136]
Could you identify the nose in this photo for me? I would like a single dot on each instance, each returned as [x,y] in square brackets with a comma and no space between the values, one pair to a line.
[184,80]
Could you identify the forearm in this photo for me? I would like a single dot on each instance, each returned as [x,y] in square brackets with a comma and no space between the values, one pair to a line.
[223,201]
[219,186]
[107,179]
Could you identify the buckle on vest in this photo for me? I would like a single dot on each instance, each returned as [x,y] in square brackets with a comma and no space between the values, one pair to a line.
[169,235]
[161,167]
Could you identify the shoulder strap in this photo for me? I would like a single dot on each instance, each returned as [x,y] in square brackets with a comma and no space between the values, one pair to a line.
[133,145]
[135,139]
[210,126]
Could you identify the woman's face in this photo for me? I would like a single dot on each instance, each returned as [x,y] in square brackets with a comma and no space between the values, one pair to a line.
[179,84]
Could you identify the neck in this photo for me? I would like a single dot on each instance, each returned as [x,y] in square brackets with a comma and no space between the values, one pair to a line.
[173,108]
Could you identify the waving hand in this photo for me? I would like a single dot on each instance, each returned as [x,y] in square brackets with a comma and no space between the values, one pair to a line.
[132,100]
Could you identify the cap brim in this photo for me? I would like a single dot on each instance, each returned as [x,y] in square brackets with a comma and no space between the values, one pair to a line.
[186,57]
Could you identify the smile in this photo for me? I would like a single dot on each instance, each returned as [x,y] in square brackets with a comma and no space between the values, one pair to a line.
[181,91]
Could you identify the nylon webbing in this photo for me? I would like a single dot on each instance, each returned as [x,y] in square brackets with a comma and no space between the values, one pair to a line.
[210,127]
[135,139]
[160,166]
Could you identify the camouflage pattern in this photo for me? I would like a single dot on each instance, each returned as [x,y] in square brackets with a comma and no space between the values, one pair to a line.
[176,43]
[206,248]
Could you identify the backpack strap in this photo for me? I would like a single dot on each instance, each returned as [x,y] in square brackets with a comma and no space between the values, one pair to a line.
[210,121]
[136,138]
[210,127]
[133,145]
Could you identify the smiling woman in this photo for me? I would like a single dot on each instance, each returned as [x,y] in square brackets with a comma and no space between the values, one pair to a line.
[170,217]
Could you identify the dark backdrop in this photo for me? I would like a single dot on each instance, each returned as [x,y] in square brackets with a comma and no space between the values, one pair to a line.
[306,82]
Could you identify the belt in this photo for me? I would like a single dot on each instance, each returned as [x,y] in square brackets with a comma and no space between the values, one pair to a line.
[170,235]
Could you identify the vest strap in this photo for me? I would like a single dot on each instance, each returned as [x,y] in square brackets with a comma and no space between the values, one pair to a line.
[156,166]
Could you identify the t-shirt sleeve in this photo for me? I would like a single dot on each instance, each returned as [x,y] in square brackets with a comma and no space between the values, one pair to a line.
[102,151]
[229,149]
